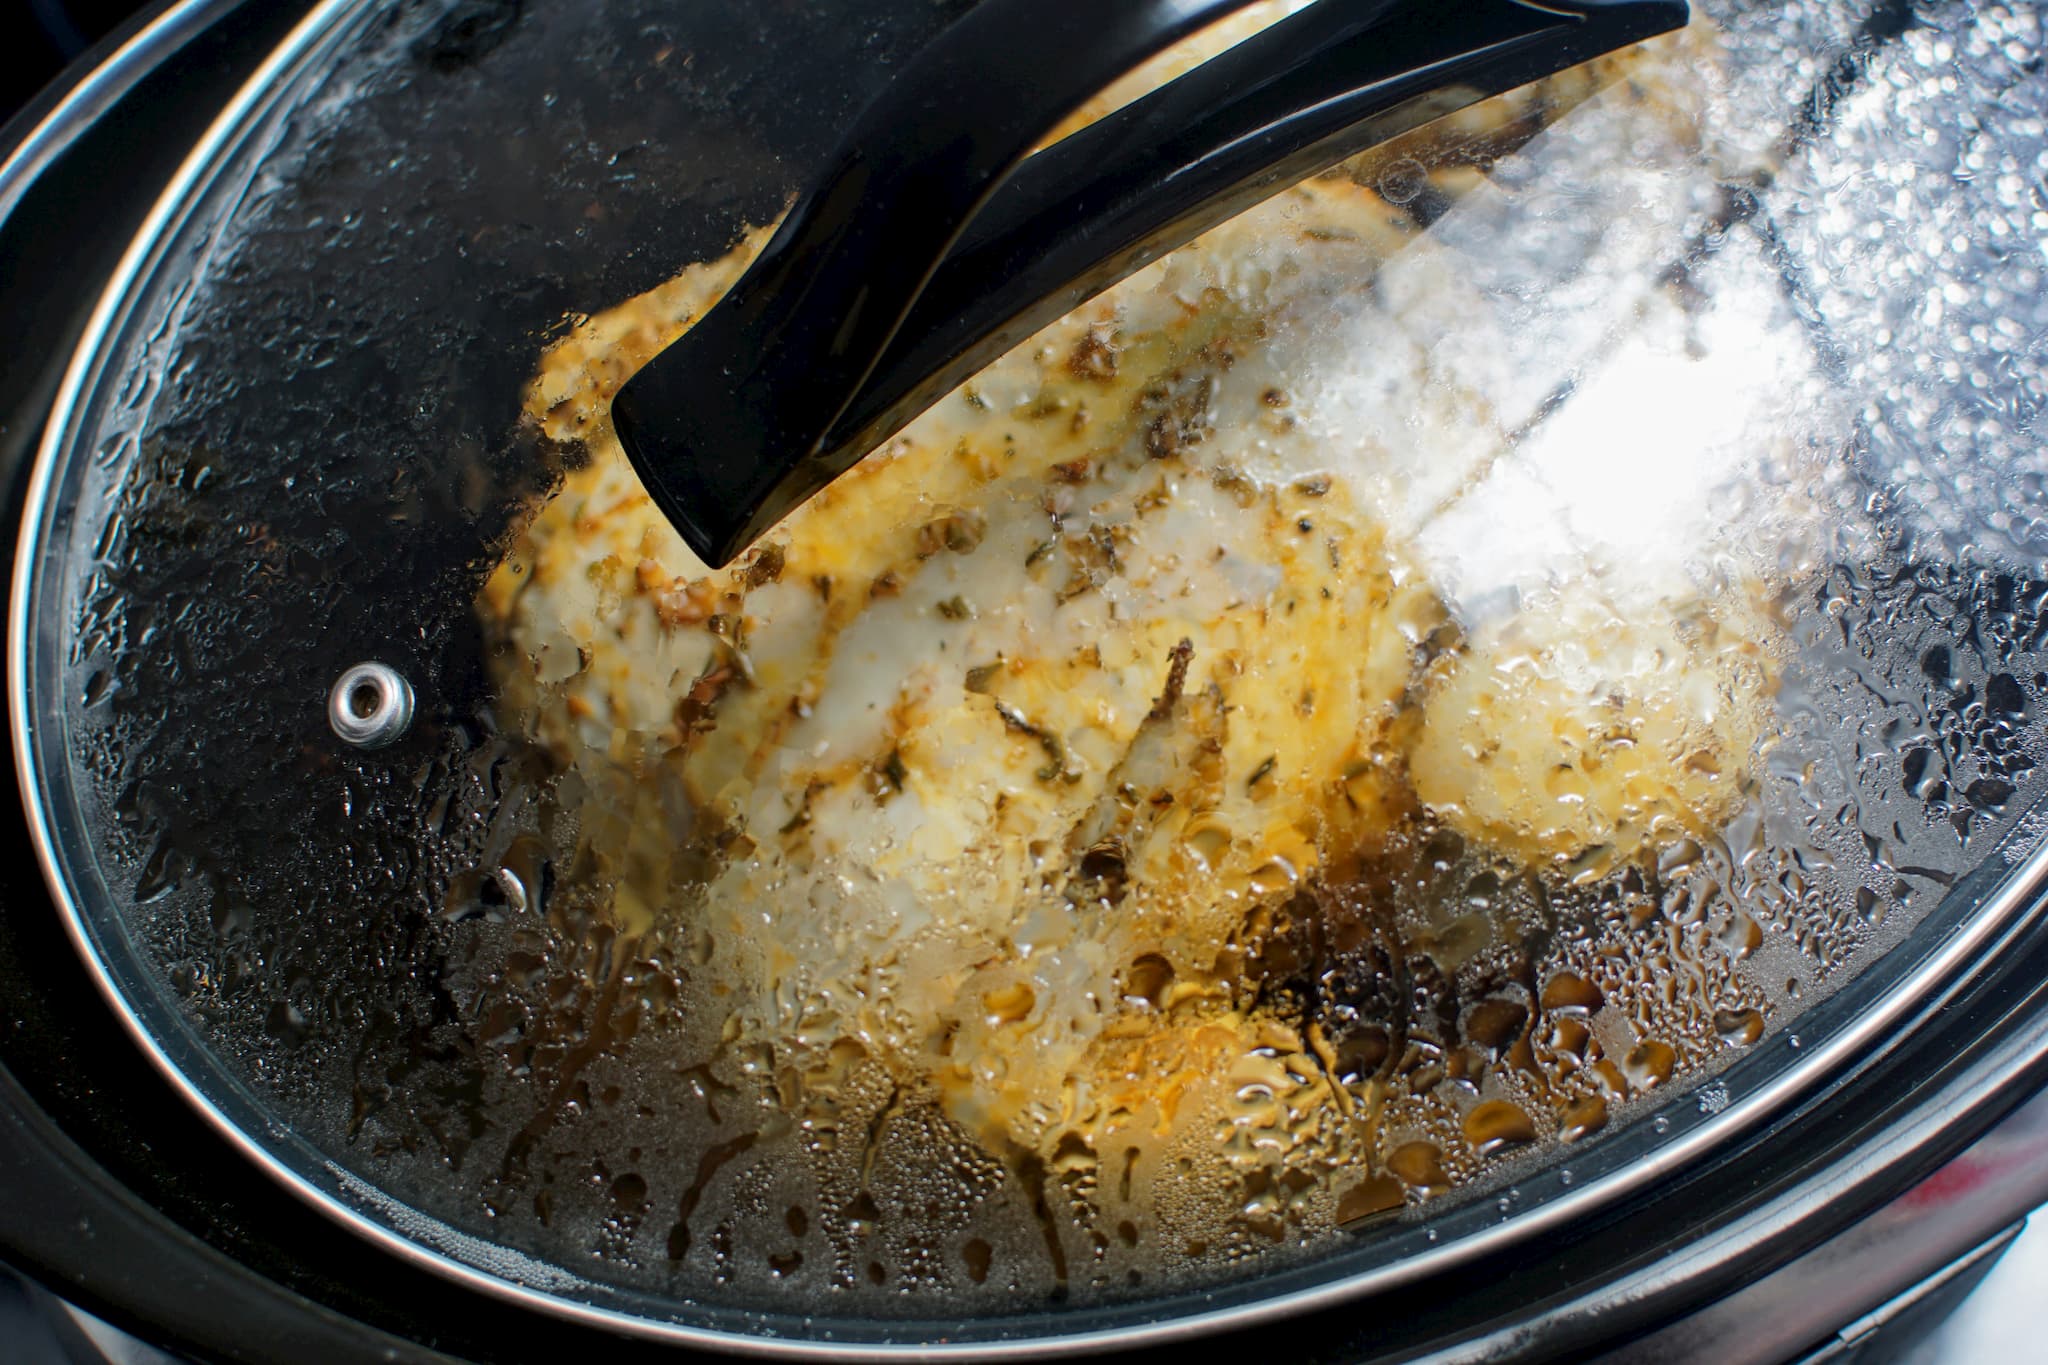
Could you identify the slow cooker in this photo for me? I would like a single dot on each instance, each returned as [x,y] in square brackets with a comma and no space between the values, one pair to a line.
[343,1022]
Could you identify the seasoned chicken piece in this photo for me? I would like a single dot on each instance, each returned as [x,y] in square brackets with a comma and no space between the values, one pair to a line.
[990,759]
[1624,735]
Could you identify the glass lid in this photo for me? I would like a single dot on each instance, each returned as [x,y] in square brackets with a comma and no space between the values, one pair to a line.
[1431,707]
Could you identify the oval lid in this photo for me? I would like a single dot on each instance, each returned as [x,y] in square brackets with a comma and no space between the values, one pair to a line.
[1433,680]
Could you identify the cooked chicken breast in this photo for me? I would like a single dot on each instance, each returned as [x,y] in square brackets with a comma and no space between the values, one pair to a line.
[994,762]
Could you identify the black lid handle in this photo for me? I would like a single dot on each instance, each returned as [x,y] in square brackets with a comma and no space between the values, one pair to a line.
[934,243]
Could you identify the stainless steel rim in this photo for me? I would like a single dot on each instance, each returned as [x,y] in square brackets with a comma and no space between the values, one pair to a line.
[99,89]
[1993,922]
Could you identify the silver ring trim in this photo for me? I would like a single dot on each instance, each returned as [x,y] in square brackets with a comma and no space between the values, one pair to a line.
[389,714]
[1925,988]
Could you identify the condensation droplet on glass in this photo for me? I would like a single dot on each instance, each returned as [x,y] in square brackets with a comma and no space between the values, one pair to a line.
[1403,181]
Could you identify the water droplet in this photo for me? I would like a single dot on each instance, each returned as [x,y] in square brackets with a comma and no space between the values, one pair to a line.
[1739,1028]
[1403,181]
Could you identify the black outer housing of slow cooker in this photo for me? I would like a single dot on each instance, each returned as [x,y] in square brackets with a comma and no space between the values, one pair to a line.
[116,1195]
